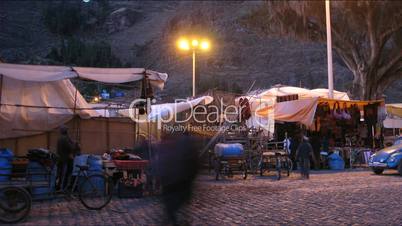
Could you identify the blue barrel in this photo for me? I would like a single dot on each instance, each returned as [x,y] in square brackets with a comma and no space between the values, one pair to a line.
[229,150]
[335,162]
[39,173]
[81,160]
[6,158]
[95,164]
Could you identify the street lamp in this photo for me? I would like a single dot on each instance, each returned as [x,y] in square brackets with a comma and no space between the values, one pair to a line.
[194,45]
[329,50]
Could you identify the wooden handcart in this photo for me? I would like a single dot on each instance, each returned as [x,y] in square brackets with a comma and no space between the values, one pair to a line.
[275,159]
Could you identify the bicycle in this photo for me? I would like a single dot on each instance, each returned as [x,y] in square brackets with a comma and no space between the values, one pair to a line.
[94,192]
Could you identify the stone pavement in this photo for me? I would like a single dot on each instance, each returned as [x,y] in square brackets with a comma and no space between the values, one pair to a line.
[355,197]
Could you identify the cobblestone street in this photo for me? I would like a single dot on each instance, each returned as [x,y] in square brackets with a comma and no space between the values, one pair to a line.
[329,198]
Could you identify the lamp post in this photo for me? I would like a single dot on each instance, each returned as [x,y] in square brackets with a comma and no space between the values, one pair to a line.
[329,50]
[194,45]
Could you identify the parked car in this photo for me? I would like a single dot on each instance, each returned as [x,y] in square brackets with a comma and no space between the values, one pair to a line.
[398,141]
[387,158]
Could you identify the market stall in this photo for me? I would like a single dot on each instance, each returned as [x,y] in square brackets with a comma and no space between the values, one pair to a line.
[351,129]
[36,99]
[392,123]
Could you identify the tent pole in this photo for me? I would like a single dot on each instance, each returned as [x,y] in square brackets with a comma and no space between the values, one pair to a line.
[107,134]
[74,111]
[1,88]
[135,130]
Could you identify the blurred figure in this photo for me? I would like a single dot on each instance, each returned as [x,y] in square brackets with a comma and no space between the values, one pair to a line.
[177,167]
[303,156]
[316,145]
[65,152]
[294,144]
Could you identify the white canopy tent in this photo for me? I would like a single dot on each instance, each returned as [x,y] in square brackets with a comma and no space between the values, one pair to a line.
[265,111]
[45,73]
[37,98]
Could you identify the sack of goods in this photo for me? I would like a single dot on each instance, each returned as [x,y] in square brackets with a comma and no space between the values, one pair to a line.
[43,156]
[229,150]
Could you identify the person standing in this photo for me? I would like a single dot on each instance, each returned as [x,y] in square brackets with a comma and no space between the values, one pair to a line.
[65,152]
[303,156]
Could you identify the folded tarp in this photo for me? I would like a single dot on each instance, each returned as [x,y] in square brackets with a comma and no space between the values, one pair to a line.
[46,73]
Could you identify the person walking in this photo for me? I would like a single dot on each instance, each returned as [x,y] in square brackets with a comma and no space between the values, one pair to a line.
[303,157]
[177,167]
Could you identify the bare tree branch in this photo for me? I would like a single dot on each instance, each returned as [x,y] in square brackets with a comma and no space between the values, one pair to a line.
[365,35]
[395,61]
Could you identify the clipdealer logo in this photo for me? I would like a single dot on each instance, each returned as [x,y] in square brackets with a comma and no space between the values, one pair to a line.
[207,116]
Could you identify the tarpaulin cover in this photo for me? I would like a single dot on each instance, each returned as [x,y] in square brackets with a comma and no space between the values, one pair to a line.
[36,73]
[302,111]
[301,92]
[263,99]
[29,108]
[46,73]
[38,98]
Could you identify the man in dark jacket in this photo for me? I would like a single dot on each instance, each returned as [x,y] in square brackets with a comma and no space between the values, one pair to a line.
[65,152]
[303,156]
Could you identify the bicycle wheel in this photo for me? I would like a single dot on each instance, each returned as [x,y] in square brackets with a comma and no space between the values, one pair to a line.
[95,192]
[15,204]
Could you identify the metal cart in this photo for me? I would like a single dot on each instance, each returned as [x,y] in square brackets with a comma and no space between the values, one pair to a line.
[93,190]
[275,159]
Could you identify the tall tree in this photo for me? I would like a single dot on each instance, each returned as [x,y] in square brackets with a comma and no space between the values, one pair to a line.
[367,35]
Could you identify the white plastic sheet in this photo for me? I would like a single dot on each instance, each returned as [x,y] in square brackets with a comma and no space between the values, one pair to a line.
[45,73]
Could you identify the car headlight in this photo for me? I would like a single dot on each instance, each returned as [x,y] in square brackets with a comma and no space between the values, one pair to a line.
[392,159]
[382,159]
